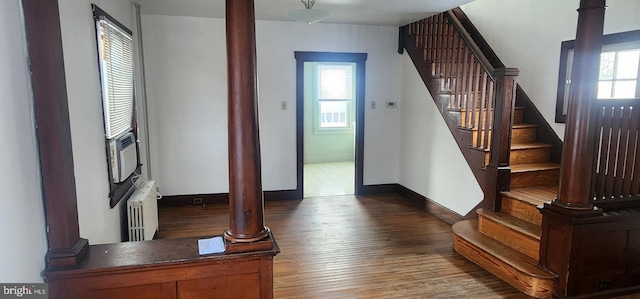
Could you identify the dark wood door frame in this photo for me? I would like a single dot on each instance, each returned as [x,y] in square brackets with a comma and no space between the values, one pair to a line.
[359,59]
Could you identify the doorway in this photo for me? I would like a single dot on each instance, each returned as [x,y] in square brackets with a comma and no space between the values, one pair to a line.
[329,128]
[330,123]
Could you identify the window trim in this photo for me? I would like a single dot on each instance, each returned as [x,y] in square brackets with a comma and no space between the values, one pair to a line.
[566,46]
[117,191]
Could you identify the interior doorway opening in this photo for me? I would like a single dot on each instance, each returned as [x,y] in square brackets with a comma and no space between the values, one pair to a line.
[330,123]
[329,128]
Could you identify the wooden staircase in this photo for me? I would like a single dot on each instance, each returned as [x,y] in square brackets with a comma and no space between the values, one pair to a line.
[591,235]
[505,239]
[506,242]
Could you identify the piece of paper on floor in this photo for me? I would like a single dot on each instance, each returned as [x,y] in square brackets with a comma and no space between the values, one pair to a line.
[211,245]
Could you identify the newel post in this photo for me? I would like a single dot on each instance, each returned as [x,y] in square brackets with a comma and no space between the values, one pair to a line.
[246,203]
[498,172]
[562,229]
[576,168]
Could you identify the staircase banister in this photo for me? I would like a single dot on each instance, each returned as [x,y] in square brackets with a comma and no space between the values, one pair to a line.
[617,102]
[477,52]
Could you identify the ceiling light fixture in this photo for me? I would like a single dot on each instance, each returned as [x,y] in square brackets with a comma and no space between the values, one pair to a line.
[308,14]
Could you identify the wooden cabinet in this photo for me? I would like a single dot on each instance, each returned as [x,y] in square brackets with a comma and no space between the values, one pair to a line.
[164,269]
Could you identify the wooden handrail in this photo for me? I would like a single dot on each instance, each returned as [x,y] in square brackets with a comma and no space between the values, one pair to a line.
[471,43]
[483,95]
[617,102]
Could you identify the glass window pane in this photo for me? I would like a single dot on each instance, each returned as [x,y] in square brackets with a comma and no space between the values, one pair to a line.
[335,82]
[627,64]
[604,89]
[624,89]
[607,61]
[333,114]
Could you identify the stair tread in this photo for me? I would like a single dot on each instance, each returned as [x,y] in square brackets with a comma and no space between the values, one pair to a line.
[529,145]
[536,195]
[517,126]
[519,146]
[518,168]
[477,109]
[468,230]
[522,126]
[514,223]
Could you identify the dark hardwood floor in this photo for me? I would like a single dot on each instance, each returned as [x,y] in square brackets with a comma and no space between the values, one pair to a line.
[354,247]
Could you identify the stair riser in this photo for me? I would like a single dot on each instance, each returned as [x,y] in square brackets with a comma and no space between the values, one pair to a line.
[518,135]
[518,116]
[523,243]
[526,156]
[535,178]
[522,210]
[539,288]
[531,155]
[524,135]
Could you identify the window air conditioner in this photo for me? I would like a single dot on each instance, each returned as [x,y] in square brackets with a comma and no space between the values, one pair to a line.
[124,157]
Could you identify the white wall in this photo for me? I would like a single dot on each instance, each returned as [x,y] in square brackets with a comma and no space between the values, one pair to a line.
[186,77]
[431,163]
[98,222]
[527,34]
[22,223]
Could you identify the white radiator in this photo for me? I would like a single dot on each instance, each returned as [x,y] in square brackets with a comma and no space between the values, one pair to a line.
[142,212]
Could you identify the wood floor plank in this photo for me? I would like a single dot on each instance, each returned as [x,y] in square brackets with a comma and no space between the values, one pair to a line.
[354,247]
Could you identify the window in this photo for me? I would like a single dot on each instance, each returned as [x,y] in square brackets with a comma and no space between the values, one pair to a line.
[115,61]
[619,74]
[335,94]
[619,70]
[116,70]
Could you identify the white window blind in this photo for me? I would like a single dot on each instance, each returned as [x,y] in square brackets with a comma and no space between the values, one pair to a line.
[116,66]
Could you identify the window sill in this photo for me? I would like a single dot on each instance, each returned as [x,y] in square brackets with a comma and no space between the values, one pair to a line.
[333,131]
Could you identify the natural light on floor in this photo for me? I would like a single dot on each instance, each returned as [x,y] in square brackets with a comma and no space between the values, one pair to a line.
[323,179]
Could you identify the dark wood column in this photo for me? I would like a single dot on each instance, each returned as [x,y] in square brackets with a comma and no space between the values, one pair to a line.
[579,143]
[246,203]
[44,42]
[565,222]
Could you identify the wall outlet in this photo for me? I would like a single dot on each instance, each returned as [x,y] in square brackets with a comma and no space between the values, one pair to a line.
[197,201]
[391,104]
[602,285]
[283,105]
[373,104]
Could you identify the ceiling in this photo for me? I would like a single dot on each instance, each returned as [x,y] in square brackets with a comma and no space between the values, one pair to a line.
[368,12]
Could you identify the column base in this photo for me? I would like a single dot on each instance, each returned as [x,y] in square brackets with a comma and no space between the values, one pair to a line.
[266,243]
[67,257]
[237,238]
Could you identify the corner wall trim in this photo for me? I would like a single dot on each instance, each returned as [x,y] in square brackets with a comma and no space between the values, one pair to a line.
[430,206]
[381,189]
[221,198]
